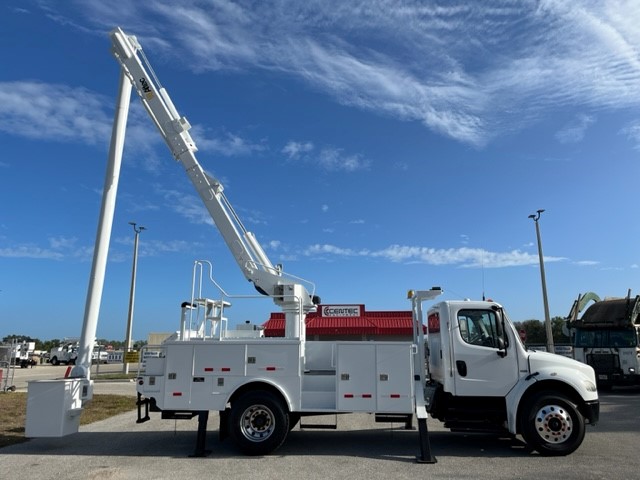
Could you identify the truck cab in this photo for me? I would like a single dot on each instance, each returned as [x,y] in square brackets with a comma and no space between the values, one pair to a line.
[607,337]
[480,377]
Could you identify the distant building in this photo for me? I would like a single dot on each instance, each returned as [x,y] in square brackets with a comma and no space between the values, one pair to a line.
[348,322]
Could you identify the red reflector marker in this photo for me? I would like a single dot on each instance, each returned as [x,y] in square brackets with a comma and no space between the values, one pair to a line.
[395,395]
[366,395]
[208,369]
[177,394]
[225,369]
[271,369]
[348,395]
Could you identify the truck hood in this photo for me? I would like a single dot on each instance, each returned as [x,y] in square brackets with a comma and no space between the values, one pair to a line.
[549,362]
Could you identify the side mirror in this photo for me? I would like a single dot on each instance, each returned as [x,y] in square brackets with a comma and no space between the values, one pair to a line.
[502,347]
[503,336]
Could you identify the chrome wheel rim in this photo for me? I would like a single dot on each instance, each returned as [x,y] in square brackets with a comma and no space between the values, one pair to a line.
[553,424]
[258,423]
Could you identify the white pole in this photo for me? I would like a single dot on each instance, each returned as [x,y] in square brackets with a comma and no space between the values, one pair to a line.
[132,295]
[547,319]
[103,235]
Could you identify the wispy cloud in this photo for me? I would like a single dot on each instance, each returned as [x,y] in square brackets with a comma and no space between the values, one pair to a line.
[468,71]
[61,113]
[587,263]
[227,143]
[53,112]
[188,206]
[462,257]
[148,247]
[575,130]
[30,251]
[632,132]
[328,158]
[58,248]
[65,248]
[294,150]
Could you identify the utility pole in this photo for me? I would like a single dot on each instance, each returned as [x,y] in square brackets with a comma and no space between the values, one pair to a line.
[547,321]
[132,295]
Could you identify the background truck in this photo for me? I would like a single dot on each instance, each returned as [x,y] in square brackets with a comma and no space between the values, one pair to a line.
[606,337]
[469,369]
[20,353]
[65,354]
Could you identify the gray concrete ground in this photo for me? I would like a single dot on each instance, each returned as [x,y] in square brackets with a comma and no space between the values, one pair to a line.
[118,448]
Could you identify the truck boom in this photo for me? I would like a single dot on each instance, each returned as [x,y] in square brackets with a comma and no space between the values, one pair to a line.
[287,292]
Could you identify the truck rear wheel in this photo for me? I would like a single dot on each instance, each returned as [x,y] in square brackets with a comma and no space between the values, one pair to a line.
[54,361]
[552,424]
[258,423]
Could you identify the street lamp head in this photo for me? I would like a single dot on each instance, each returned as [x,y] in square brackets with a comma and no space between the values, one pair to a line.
[532,216]
[540,211]
[136,228]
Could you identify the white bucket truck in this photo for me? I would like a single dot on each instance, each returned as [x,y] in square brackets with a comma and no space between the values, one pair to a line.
[66,353]
[261,387]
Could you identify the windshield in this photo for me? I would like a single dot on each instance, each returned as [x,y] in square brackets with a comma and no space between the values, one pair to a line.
[606,338]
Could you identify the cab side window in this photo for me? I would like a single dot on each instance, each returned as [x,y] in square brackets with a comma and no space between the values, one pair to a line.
[479,327]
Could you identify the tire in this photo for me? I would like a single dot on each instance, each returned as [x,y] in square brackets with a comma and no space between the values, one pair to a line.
[258,423]
[54,361]
[551,424]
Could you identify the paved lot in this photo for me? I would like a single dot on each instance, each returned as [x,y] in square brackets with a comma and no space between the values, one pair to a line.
[22,376]
[118,448]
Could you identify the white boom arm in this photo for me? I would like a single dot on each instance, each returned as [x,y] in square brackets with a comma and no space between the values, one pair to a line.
[251,258]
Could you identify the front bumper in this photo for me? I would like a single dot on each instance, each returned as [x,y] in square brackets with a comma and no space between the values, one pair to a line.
[591,411]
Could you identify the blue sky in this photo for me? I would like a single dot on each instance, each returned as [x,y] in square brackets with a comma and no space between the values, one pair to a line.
[371,146]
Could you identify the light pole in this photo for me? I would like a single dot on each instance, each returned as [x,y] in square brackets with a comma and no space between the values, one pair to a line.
[547,321]
[132,295]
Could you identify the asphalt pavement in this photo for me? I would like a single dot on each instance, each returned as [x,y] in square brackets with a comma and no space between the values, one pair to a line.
[119,448]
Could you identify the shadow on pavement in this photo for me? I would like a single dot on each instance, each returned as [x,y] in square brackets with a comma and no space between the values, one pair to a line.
[390,444]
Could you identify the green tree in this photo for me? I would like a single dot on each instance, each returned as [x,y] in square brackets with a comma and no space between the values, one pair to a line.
[556,327]
[534,330]
[537,333]
[17,338]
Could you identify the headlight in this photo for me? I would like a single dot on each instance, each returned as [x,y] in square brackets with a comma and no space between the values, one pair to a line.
[590,386]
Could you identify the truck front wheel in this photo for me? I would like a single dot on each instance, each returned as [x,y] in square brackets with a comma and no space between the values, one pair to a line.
[258,423]
[552,424]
